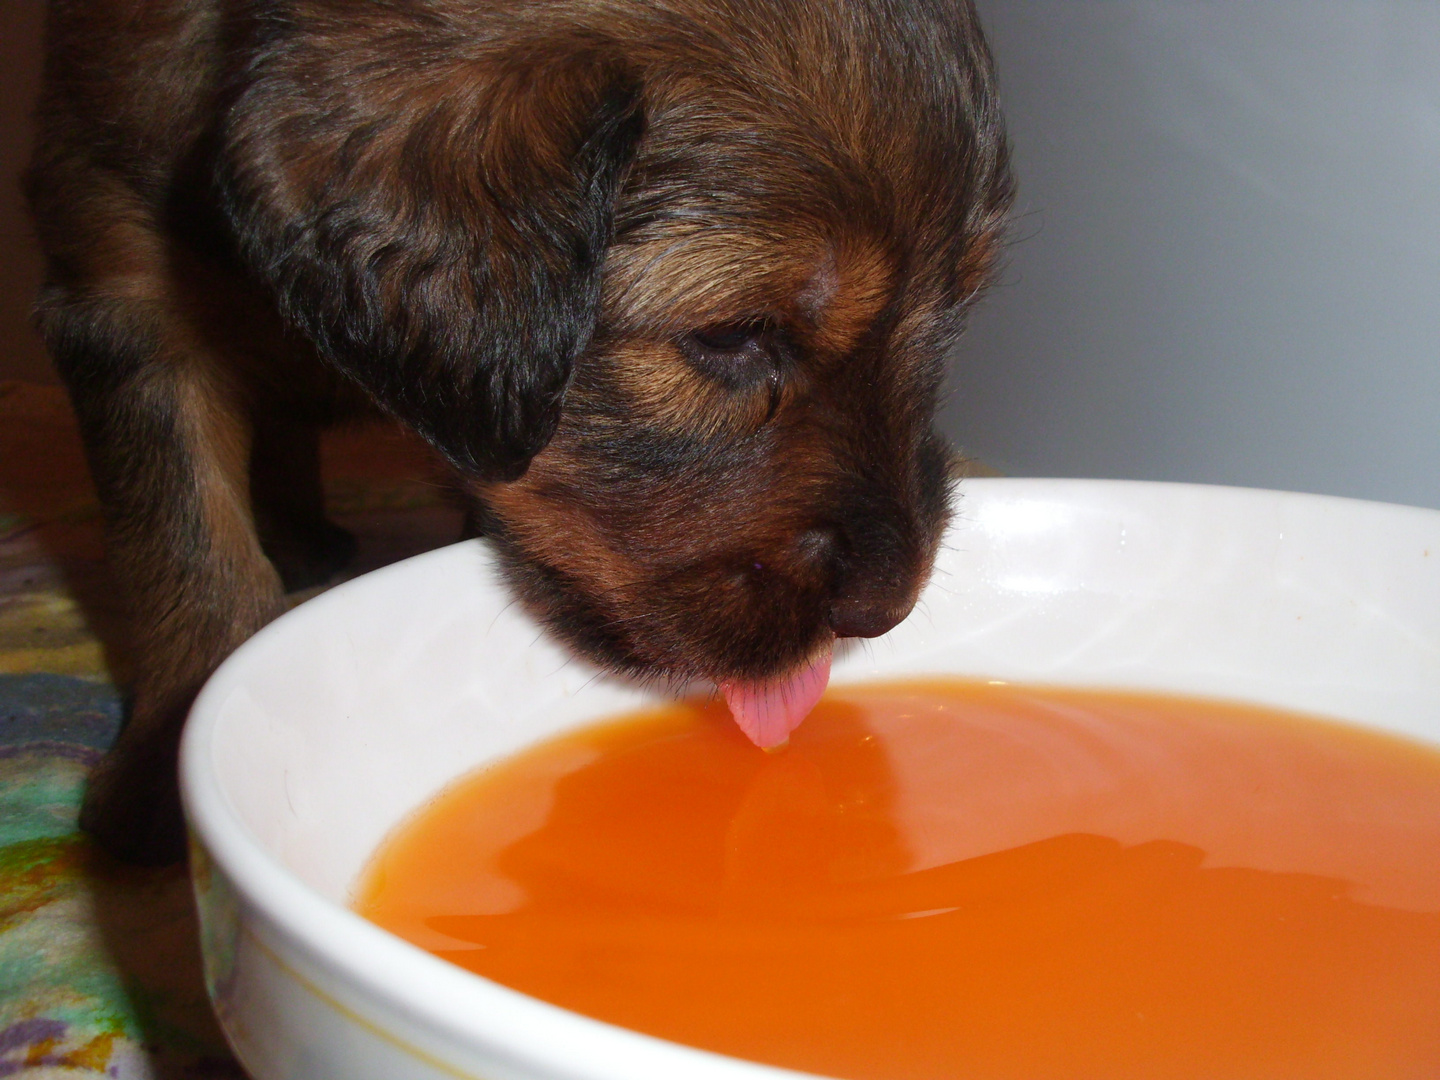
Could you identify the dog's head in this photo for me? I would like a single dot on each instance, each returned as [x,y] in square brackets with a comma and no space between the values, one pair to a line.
[670,283]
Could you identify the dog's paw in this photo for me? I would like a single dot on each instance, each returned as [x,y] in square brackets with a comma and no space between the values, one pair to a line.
[132,809]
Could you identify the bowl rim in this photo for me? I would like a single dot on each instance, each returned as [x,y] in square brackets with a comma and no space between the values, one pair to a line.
[439,999]
[452,1003]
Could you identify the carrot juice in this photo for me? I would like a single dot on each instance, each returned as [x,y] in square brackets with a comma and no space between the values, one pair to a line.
[947,879]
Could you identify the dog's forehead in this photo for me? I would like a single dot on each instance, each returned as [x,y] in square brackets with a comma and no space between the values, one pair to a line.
[746,222]
[830,287]
[713,270]
[835,159]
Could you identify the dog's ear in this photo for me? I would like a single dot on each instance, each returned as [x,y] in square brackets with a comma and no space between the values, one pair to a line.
[435,225]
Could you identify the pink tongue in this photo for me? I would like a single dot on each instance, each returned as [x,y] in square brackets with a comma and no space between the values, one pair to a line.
[768,711]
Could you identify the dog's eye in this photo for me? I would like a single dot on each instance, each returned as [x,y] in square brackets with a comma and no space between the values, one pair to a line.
[728,338]
[739,356]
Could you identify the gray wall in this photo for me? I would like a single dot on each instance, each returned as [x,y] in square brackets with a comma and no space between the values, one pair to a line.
[1227,264]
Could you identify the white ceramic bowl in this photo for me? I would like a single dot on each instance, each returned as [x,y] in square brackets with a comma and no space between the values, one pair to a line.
[319,734]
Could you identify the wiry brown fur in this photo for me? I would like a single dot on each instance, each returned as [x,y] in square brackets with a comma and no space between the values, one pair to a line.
[668,282]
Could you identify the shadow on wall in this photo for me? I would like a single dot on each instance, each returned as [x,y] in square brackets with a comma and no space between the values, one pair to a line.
[21,354]
[1227,259]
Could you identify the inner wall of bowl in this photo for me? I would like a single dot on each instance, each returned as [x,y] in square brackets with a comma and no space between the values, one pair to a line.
[344,716]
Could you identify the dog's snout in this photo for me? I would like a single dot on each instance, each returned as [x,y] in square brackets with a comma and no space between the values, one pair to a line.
[816,549]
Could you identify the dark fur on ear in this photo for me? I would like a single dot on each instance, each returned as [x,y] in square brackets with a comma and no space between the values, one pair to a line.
[433,214]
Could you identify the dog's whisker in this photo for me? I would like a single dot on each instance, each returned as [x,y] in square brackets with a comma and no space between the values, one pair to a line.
[500,615]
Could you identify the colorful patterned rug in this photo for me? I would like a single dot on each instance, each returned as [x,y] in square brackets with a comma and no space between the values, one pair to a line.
[99,967]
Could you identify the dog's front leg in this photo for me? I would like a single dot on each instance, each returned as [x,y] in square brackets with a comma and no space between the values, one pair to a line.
[289,500]
[168,440]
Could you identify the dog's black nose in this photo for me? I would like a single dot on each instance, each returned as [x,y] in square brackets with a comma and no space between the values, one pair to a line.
[878,573]
[858,616]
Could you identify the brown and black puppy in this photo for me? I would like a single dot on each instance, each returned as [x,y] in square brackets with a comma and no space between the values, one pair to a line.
[668,282]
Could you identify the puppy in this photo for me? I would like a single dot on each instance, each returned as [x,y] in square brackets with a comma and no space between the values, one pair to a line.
[669,283]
